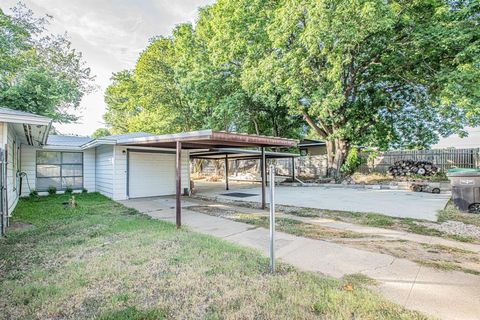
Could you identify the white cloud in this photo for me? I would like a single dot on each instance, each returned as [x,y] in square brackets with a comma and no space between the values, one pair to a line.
[111,35]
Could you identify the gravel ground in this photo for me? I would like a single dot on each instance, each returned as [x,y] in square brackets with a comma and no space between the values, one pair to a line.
[456,228]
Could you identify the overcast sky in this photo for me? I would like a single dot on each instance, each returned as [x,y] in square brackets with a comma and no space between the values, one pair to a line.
[111,35]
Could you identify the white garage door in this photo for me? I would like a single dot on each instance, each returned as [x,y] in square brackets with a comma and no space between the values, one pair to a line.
[151,174]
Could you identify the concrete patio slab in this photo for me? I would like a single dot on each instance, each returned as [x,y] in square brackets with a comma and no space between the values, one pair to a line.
[395,203]
[446,295]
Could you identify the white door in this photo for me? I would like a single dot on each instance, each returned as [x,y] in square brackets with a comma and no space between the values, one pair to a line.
[151,174]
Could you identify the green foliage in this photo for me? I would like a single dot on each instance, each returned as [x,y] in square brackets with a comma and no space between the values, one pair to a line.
[352,162]
[132,313]
[39,72]
[84,190]
[69,190]
[372,73]
[179,85]
[101,132]
[52,190]
[33,193]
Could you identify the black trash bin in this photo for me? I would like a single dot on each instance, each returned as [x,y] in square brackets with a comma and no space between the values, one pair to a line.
[465,189]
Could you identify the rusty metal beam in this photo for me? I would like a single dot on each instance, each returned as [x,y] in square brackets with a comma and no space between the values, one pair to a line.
[178,173]
[209,139]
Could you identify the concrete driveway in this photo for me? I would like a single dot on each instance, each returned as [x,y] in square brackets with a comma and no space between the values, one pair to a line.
[395,203]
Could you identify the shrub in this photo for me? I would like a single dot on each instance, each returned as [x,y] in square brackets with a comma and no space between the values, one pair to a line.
[69,190]
[33,193]
[84,190]
[352,162]
[52,190]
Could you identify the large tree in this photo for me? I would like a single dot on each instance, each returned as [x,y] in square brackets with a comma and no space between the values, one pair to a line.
[388,74]
[181,83]
[39,72]
[382,73]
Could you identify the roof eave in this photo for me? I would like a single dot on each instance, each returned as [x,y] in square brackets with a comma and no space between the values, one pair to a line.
[33,120]
[97,142]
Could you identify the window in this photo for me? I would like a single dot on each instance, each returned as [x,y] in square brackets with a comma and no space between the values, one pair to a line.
[59,169]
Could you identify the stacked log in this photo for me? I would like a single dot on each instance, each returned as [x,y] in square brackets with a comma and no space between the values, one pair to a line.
[409,167]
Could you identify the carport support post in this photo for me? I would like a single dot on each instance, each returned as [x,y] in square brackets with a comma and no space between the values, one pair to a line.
[262,172]
[178,169]
[226,173]
[293,169]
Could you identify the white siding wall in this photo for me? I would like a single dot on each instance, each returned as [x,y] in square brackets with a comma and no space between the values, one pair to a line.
[89,171]
[28,165]
[104,170]
[120,174]
[120,169]
[9,138]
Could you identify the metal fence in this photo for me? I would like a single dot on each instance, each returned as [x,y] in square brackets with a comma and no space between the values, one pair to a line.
[444,159]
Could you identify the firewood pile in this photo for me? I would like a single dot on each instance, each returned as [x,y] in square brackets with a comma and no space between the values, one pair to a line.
[409,167]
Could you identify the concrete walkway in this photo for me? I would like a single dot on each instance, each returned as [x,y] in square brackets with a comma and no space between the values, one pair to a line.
[394,203]
[380,233]
[446,295]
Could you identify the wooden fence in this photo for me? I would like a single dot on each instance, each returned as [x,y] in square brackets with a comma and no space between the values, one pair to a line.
[444,159]
[314,167]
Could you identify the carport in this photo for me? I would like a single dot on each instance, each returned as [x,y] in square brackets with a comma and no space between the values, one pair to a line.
[215,142]
[227,154]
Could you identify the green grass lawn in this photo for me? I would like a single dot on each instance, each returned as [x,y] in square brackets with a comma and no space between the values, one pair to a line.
[103,260]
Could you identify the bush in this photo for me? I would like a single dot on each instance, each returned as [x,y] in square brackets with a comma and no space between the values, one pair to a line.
[84,190]
[33,193]
[352,162]
[52,190]
[69,190]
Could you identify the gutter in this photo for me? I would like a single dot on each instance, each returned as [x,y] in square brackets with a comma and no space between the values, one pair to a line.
[97,142]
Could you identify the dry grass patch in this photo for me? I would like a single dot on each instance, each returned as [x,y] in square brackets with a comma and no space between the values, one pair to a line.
[451,213]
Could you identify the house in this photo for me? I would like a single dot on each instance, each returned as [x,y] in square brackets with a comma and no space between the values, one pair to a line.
[471,141]
[120,167]
[310,147]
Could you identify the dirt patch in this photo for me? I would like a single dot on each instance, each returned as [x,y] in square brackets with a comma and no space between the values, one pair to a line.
[215,210]
[19,226]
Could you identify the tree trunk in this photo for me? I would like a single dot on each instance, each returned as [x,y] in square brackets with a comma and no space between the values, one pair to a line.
[330,157]
[341,150]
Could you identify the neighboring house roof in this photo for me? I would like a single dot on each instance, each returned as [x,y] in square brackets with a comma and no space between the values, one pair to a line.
[67,141]
[311,143]
[454,141]
[71,141]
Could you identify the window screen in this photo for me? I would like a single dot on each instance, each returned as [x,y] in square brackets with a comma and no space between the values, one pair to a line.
[59,169]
